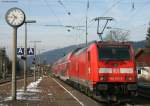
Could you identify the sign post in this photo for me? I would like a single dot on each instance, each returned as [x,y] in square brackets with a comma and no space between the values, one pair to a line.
[25,53]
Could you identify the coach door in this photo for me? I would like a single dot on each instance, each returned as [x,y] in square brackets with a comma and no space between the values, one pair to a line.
[89,64]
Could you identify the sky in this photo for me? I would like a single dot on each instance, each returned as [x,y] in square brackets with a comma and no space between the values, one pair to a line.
[131,15]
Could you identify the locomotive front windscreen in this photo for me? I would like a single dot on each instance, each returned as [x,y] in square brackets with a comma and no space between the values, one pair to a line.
[114,53]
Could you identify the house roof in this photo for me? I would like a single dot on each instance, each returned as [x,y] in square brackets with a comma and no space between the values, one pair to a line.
[142,50]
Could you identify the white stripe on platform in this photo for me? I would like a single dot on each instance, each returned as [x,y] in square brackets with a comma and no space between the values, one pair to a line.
[69,93]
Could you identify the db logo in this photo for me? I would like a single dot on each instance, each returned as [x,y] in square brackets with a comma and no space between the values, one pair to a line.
[116,70]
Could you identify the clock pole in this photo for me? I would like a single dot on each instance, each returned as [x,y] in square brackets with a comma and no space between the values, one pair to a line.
[15,20]
[14,61]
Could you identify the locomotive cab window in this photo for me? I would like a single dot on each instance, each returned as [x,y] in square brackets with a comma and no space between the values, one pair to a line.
[114,53]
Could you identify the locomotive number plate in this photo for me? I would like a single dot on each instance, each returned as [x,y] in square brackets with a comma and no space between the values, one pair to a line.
[116,78]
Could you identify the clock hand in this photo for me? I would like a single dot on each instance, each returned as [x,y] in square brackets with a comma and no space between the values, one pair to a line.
[13,20]
[14,16]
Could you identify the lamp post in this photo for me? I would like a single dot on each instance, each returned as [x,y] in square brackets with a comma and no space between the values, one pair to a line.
[35,43]
[25,54]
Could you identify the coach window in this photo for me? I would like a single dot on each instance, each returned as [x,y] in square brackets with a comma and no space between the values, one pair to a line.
[88,55]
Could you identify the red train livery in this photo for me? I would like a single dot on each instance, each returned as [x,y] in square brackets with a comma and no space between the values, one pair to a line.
[103,68]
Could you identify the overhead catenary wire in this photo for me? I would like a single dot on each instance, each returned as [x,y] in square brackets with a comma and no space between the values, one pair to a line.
[107,10]
[132,7]
[110,8]
[78,22]
[28,2]
[86,22]
[68,12]
[60,24]
[137,10]
[52,11]
[62,4]
[9,1]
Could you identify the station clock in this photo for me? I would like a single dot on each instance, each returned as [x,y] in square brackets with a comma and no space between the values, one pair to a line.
[15,17]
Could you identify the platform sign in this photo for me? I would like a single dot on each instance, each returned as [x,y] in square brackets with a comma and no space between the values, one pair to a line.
[30,51]
[20,51]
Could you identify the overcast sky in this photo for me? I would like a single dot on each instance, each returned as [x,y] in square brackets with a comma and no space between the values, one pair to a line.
[132,15]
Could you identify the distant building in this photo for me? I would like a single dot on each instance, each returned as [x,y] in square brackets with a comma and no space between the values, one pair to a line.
[142,58]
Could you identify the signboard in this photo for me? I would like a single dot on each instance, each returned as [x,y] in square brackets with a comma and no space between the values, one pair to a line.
[30,51]
[20,51]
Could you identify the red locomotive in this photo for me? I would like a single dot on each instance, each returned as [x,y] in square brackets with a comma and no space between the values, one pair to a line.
[106,69]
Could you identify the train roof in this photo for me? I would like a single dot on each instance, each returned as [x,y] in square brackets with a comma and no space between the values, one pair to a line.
[105,43]
[98,43]
[101,44]
[112,43]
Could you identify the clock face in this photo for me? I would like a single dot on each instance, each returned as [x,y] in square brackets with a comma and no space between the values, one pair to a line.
[15,17]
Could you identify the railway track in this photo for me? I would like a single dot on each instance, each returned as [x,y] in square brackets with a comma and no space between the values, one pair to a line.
[136,101]
[97,99]
[54,92]
[8,79]
[5,81]
[144,90]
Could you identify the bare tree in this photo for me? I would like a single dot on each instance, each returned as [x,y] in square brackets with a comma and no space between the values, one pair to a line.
[148,40]
[117,35]
[3,63]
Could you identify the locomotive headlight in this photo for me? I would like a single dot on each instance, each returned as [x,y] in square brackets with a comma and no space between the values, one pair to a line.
[126,70]
[102,78]
[129,78]
[105,70]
